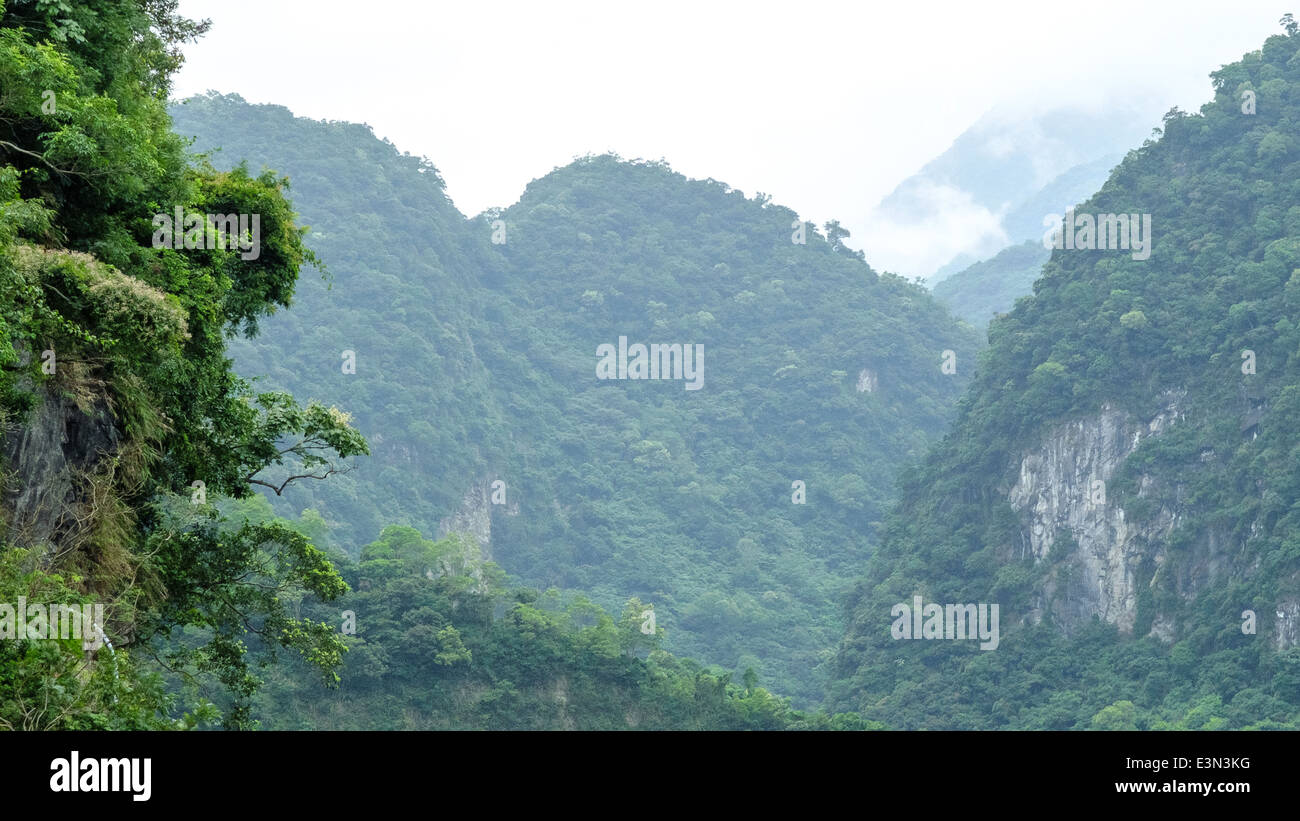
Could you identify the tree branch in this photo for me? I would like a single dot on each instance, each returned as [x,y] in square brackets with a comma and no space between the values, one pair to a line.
[279,491]
[61,171]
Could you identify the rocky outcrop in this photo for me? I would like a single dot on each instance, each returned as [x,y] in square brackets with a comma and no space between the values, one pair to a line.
[474,516]
[1098,559]
[868,381]
[1287,631]
[1060,494]
[46,457]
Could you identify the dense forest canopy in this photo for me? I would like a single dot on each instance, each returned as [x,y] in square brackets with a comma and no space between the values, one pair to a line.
[985,289]
[1197,345]
[476,341]
[137,330]
[318,451]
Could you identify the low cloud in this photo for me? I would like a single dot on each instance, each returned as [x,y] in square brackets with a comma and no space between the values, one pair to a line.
[946,222]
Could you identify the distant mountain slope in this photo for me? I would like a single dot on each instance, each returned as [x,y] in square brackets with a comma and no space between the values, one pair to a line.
[993,186]
[1024,223]
[476,363]
[978,290]
[1123,480]
[994,285]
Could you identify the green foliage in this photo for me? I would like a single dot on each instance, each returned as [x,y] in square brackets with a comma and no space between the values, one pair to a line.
[441,643]
[49,684]
[277,431]
[992,286]
[1141,336]
[87,159]
[475,362]
[227,583]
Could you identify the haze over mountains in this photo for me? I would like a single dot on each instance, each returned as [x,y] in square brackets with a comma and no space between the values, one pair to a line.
[993,186]
[639,451]
[992,286]
[1123,476]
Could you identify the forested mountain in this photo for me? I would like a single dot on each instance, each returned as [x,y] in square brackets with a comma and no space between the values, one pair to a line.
[1123,478]
[368,462]
[441,643]
[476,363]
[132,452]
[993,286]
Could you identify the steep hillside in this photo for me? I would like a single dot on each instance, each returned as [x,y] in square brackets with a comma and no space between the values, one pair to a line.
[437,641]
[1123,479]
[993,286]
[153,588]
[476,381]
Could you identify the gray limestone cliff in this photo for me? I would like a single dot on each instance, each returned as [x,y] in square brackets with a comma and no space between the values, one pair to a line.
[1099,560]
[474,515]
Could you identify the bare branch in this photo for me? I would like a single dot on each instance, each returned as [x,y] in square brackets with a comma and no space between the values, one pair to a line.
[279,491]
[61,171]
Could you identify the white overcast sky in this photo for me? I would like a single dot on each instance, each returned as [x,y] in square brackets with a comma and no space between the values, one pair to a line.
[825,106]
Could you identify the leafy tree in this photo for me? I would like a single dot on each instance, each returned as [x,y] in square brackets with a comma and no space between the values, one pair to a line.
[87,160]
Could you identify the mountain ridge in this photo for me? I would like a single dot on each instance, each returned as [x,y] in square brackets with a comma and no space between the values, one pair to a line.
[615,488]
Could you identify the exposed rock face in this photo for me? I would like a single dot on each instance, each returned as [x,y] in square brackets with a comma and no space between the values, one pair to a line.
[474,517]
[55,444]
[1060,493]
[1287,633]
[868,381]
